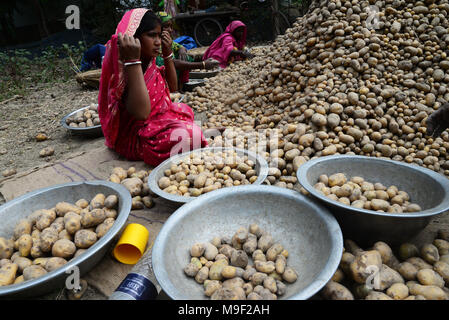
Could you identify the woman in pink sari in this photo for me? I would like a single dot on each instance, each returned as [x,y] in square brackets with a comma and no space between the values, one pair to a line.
[228,47]
[138,119]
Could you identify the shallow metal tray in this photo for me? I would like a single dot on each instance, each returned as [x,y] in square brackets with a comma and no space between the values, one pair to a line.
[261,168]
[21,207]
[94,131]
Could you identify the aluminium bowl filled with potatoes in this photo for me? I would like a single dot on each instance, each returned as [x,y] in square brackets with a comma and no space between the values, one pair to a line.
[184,177]
[46,234]
[425,188]
[84,121]
[306,229]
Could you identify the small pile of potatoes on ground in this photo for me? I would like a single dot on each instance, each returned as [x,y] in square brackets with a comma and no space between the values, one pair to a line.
[85,118]
[415,273]
[136,182]
[359,193]
[358,87]
[205,171]
[223,266]
[48,238]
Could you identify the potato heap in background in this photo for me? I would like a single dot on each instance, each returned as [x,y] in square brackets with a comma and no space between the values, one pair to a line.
[333,84]
[48,238]
[136,182]
[380,273]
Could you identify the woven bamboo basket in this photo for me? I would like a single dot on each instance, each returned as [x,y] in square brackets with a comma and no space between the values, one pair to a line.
[89,78]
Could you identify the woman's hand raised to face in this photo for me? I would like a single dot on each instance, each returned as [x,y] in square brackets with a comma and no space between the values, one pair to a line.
[129,47]
[166,43]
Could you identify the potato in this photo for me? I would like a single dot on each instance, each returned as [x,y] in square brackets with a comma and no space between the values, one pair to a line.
[239,258]
[375,295]
[92,218]
[72,222]
[54,263]
[63,207]
[251,244]
[256,230]
[442,268]
[419,263]
[19,279]
[428,277]
[114,178]
[408,271]
[274,251]
[364,265]
[265,266]
[22,263]
[257,278]
[98,201]
[385,251]
[47,238]
[215,271]
[58,224]
[352,247]
[210,251]
[33,272]
[338,276]
[120,173]
[197,250]
[134,186]
[82,203]
[45,219]
[265,242]
[202,275]
[388,277]
[430,253]
[210,286]
[442,246]
[8,274]
[233,283]
[104,227]
[110,213]
[290,275]
[429,292]
[63,248]
[64,234]
[408,250]
[224,294]
[22,227]
[6,248]
[85,238]
[148,202]
[345,263]
[79,252]
[25,243]
[336,291]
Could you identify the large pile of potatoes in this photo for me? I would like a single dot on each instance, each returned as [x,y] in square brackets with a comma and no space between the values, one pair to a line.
[378,273]
[249,266]
[85,118]
[362,194]
[136,182]
[334,85]
[48,238]
[205,171]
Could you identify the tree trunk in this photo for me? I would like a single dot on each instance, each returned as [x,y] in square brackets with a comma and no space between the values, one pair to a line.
[43,29]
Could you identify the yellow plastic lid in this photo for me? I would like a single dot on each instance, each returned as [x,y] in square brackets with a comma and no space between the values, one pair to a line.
[131,246]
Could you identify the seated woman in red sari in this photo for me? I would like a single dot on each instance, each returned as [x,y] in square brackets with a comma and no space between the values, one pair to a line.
[229,46]
[138,119]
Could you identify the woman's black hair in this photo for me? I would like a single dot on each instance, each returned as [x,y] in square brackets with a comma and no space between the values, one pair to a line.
[149,21]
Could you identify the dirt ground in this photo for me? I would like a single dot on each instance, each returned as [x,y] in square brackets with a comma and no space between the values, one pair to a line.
[41,111]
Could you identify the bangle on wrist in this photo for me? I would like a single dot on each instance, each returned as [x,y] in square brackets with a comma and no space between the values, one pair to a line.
[131,60]
[131,63]
[170,56]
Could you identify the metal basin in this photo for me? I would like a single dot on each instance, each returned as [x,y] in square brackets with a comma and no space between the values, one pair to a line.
[305,228]
[94,131]
[261,169]
[427,188]
[21,207]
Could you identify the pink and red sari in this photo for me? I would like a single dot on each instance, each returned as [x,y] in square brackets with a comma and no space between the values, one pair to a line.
[170,127]
[221,48]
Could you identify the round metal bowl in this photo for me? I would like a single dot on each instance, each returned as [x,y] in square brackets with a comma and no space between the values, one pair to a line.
[427,188]
[94,131]
[193,83]
[305,228]
[261,168]
[21,207]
